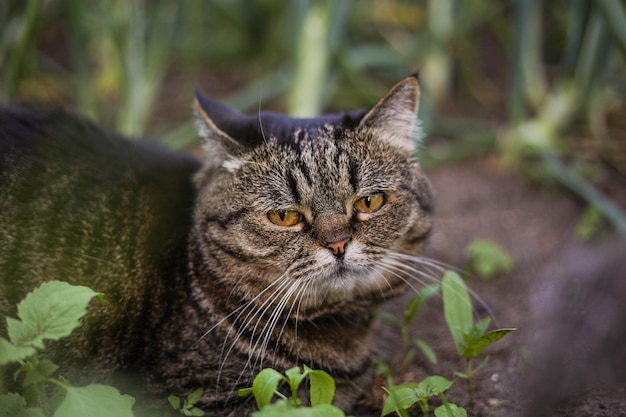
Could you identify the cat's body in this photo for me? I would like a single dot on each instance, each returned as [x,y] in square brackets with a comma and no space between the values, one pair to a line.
[274,253]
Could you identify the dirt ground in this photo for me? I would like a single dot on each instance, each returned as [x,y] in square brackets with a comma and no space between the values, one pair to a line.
[567,299]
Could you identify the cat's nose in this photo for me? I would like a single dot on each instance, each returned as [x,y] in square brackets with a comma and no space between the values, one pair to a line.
[338,248]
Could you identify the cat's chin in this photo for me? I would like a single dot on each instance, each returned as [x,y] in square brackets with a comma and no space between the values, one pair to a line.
[343,279]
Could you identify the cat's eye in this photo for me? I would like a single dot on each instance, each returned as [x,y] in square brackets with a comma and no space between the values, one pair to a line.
[285,218]
[369,203]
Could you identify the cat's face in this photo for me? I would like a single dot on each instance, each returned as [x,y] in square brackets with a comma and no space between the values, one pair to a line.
[316,209]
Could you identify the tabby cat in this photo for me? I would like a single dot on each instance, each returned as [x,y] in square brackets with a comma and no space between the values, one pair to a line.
[274,251]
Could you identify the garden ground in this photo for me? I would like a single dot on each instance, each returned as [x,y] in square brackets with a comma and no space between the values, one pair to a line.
[567,299]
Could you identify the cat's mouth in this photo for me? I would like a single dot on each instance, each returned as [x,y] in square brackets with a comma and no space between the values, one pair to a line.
[345,276]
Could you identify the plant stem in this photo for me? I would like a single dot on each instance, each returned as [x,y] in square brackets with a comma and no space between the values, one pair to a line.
[16,59]
[587,191]
[444,400]
[615,17]
[312,58]
[468,374]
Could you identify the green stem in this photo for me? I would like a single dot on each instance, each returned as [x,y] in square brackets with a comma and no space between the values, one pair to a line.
[444,400]
[16,60]
[587,191]
[615,17]
[312,56]
[424,406]
[79,39]
[468,374]
[578,12]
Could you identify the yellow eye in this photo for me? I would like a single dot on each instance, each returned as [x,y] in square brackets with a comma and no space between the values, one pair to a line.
[285,218]
[369,203]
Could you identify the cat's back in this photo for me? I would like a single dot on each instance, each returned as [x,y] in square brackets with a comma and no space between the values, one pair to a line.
[81,204]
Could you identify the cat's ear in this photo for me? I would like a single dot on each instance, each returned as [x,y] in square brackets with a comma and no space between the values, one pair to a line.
[214,120]
[394,117]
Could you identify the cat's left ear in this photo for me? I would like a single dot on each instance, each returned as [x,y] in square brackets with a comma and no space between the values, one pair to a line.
[217,122]
[394,117]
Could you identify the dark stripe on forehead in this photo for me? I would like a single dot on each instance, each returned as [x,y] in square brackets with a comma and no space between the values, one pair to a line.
[305,171]
[293,186]
[354,175]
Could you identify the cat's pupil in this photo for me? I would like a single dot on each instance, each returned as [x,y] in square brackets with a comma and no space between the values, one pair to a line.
[368,201]
[281,214]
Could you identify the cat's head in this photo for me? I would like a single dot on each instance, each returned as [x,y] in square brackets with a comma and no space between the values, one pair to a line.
[322,208]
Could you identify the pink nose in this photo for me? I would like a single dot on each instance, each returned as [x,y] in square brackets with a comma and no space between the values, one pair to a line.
[338,248]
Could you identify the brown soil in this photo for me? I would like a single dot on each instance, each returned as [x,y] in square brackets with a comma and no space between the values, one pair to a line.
[567,299]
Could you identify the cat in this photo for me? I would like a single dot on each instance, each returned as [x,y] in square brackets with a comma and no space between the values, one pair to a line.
[273,251]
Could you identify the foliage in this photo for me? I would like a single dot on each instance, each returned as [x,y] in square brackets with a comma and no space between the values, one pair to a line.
[265,389]
[402,397]
[486,258]
[588,224]
[409,345]
[186,406]
[470,338]
[52,312]
[111,59]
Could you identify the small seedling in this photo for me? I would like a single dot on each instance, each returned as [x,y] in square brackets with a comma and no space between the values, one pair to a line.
[402,397]
[409,313]
[186,406]
[486,258]
[265,389]
[469,338]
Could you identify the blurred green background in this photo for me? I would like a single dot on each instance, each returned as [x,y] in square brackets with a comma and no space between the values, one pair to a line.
[538,85]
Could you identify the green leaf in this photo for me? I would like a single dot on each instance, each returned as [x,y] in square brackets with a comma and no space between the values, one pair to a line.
[400,397]
[195,396]
[382,368]
[13,405]
[418,299]
[475,347]
[243,392]
[326,410]
[175,401]
[426,350]
[51,311]
[322,387]
[295,377]
[457,411]
[588,224]
[94,401]
[10,353]
[281,408]
[389,318]
[40,372]
[487,258]
[480,327]
[264,386]
[433,385]
[196,412]
[457,308]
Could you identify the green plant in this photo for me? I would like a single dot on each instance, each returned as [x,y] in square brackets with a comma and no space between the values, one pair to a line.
[589,224]
[470,339]
[486,258]
[52,312]
[409,313]
[402,397]
[265,389]
[186,406]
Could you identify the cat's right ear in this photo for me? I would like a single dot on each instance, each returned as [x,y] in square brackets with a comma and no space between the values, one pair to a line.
[394,118]
[214,120]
